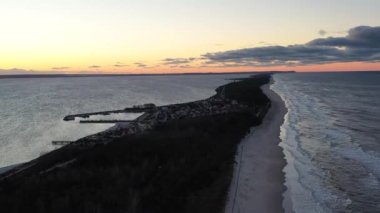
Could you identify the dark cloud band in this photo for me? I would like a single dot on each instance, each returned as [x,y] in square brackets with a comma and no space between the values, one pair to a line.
[178,61]
[362,44]
[141,65]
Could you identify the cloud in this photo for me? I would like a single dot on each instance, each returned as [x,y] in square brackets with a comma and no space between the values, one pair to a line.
[186,66]
[264,43]
[322,32]
[94,67]
[141,65]
[120,64]
[16,71]
[362,44]
[178,61]
[60,68]
[358,37]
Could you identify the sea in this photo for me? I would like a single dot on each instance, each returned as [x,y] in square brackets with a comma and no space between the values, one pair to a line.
[32,109]
[331,141]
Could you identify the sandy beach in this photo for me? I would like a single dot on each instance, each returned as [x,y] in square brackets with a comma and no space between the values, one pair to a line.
[258,181]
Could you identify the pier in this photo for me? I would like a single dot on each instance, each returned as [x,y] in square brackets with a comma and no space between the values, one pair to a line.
[105,121]
[126,110]
[61,143]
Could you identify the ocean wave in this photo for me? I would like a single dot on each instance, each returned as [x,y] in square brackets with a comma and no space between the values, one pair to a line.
[327,170]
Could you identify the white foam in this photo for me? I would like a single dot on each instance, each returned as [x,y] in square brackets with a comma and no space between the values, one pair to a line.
[323,141]
[303,188]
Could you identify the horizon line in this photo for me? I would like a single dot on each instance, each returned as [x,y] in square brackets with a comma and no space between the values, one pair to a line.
[50,75]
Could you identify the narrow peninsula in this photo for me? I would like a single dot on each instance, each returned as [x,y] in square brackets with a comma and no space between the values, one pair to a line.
[174,158]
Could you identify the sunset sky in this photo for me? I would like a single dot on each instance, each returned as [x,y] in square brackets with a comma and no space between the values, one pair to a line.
[151,36]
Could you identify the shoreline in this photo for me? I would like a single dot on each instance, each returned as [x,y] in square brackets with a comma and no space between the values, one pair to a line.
[258,180]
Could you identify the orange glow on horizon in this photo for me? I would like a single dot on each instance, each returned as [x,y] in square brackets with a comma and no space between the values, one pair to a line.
[157,69]
[336,67]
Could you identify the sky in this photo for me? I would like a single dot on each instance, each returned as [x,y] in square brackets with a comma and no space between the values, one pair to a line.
[155,36]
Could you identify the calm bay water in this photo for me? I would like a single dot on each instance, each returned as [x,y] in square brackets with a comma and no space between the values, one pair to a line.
[331,139]
[32,109]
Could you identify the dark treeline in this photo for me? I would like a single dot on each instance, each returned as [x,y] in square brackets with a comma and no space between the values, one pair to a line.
[247,90]
[180,166]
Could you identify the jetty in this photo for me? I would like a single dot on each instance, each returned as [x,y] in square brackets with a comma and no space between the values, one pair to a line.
[105,121]
[135,109]
[61,143]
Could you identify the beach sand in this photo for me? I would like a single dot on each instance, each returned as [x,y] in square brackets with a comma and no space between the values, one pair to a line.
[258,181]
